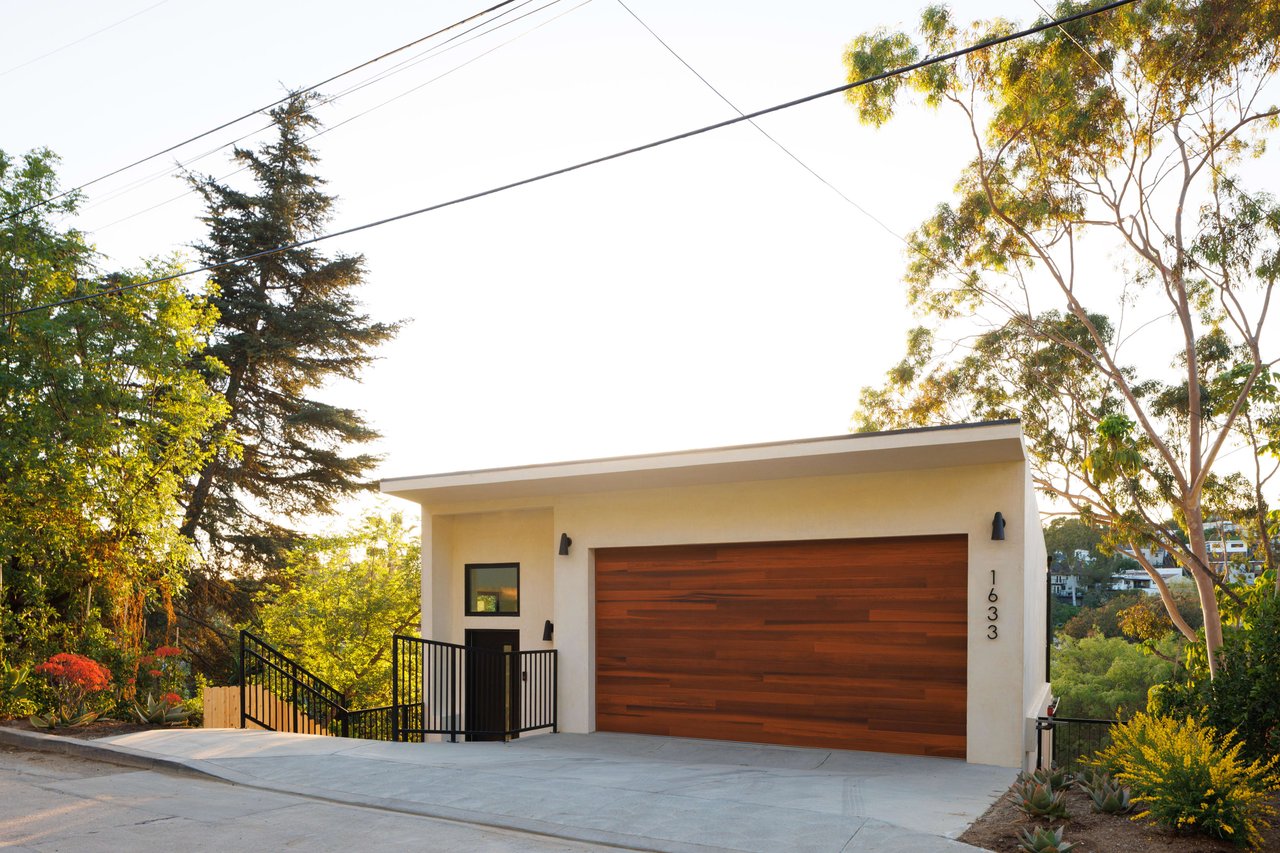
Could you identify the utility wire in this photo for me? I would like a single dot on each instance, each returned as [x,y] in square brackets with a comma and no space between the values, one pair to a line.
[81,39]
[364,112]
[403,65]
[884,75]
[255,112]
[757,126]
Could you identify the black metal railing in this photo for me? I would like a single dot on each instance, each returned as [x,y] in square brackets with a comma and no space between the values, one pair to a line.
[1067,741]
[280,694]
[482,694]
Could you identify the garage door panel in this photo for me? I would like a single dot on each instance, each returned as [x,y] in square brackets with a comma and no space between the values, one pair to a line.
[856,644]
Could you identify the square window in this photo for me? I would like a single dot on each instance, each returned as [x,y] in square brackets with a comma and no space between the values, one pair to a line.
[493,589]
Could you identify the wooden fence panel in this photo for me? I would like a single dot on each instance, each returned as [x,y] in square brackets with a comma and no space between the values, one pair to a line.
[222,709]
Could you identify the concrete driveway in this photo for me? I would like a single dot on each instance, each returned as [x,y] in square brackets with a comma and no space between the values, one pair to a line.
[633,791]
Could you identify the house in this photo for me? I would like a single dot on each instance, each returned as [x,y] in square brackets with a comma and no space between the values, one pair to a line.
[1067,583]
[1140,580]
[878,591]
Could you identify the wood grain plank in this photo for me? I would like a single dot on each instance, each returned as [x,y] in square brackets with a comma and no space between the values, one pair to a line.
[851,644]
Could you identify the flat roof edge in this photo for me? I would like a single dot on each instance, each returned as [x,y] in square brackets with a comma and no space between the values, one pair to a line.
[853,436]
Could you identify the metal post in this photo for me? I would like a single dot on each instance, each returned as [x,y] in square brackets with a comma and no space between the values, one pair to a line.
[1048,617]
[243,675]
[454,654]
[395,688]
[555,690]
[506,692]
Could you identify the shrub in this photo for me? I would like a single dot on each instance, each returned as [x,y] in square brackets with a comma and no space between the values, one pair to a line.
[1186,778]
[14,690]
[74,678]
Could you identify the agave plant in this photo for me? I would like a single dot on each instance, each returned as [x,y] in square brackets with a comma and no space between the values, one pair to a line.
[1043,840]
[167,710]
[1039,799]
[1054,775]
[1090,778]
[1109,796]
[61,717]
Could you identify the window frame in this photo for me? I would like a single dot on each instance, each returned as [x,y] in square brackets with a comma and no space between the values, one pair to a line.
[467,589]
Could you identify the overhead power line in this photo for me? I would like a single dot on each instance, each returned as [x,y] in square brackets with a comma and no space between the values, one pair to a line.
[436,51]
[401,66]
[97,32]
[756,125]
[884,75]
[258,111]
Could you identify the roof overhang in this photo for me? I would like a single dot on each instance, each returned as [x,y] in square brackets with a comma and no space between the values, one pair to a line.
[856,453]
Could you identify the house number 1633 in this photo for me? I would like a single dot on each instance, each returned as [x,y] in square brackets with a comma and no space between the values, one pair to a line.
[993,612]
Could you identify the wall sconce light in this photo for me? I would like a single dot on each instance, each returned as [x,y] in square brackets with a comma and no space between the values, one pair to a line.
[565,542]
[547,628]
[997,527]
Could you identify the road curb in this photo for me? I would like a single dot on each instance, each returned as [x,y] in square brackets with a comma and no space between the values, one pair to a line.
[95,751]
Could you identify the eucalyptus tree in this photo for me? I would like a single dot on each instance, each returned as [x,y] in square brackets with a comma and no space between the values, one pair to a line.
[1120,268]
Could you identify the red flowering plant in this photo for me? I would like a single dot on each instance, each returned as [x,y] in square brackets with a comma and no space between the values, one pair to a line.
[75,680]
[161,673]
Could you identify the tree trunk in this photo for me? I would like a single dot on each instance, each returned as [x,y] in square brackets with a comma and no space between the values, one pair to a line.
[1204,586]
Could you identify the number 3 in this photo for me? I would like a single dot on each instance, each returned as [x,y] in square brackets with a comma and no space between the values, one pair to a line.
[992,632]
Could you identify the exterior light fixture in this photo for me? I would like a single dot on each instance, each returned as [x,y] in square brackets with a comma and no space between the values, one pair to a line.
[547,628]
[997,527]
[565,542]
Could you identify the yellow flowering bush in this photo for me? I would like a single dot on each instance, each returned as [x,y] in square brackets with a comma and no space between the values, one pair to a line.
[1188,779]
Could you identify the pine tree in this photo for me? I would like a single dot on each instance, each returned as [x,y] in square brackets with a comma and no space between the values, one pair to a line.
[289,322]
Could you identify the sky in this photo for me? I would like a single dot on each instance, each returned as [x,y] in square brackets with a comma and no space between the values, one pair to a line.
[707,293]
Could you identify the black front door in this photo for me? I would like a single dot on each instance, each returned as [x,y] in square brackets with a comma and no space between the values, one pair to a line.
[493,684]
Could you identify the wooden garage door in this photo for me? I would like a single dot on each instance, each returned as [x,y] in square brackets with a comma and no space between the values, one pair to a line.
[850,644]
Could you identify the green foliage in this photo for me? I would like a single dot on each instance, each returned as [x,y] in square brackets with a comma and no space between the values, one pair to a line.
[1144,614]
[1037,798]
[15,690]
[341,600]
[1043,840]
[289,323]
[104,413]
[1107,164]
[1102,677]
[1245,695]
[1186,778]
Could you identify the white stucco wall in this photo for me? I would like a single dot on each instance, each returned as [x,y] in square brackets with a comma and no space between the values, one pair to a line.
[1005,674]
[523,536]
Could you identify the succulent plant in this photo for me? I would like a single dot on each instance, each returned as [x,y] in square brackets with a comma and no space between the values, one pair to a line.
[1039,799]
[1056,776]
[1043,840]
[1090,778]
[56,718]
[163,711]
[1109,796]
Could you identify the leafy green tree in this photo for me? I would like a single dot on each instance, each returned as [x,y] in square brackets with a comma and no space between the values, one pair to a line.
[1100,677]
[104,414]
[1107,167]
[1244,697]
[288,323]
[339,602]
